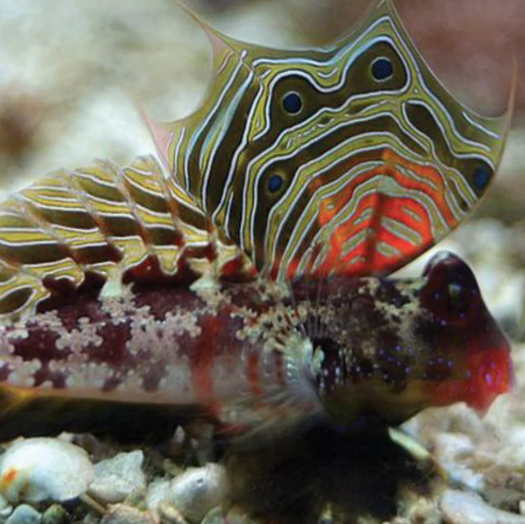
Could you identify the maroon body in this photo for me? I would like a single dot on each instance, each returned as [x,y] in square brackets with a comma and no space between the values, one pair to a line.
[259,352]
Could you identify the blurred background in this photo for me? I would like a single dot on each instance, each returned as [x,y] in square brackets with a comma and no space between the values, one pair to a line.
[72,70]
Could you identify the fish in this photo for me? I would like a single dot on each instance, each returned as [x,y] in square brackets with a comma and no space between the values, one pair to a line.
[247,269]
[261,354]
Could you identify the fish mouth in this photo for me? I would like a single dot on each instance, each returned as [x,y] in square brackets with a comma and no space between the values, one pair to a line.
[491,375]
[487,374]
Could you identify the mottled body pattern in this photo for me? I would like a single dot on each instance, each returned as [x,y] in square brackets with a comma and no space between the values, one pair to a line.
[250,353]
[304,179]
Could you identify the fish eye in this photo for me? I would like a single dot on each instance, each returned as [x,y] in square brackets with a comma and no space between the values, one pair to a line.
[458,299]
[292,103]
[482,176]
[382,69]
[275,183]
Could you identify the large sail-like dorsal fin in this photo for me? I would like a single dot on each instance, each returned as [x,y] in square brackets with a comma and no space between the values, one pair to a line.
[224,49]
[328,254]
[370,149]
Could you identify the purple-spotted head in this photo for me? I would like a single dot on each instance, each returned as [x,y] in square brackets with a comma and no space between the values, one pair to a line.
[483,363]
[393,347]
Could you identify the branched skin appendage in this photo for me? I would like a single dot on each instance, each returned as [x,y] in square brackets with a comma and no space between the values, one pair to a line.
[259,353]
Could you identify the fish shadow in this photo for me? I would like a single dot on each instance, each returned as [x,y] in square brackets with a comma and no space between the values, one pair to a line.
[352,473]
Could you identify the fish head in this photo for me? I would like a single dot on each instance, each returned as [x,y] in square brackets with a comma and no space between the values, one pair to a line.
[392,347]
[461,328]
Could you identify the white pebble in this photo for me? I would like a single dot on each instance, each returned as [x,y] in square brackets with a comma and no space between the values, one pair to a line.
[116,478]
[24,514]
[234,516]
[449,447]
[451,451]
[214,516]
[123,514]
[193,493]
[44,469]
[467,508]
[5,508]
[158,492]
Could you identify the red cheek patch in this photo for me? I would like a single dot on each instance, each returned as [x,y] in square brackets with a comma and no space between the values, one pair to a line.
[489,373]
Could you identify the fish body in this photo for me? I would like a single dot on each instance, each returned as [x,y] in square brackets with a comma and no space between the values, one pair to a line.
[252,353]
[250,266]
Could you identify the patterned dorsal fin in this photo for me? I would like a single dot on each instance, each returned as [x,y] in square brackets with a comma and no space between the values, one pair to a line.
[350,159]
[356,145]
[84,227]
